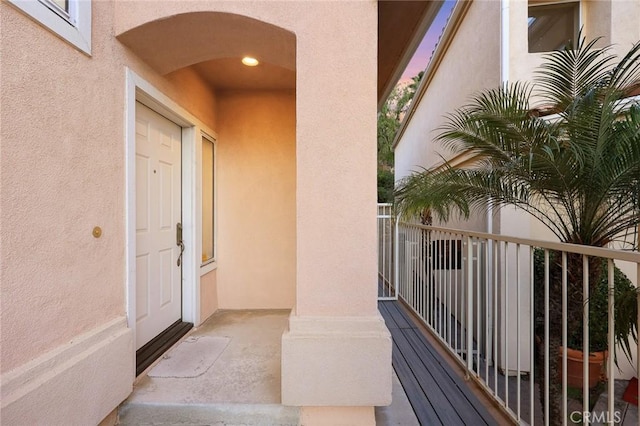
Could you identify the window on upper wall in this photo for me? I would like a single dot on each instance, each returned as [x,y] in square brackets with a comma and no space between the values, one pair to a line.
[208,201]
[552,25]
[69,19]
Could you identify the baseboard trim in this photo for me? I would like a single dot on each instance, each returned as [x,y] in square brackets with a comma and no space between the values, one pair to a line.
[77,383]
[318,352]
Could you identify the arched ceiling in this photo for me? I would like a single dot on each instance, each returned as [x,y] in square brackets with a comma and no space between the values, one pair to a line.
[213,43]
[230,73]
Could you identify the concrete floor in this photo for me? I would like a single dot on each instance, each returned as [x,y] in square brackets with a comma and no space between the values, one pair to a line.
[238,384]
[247,371]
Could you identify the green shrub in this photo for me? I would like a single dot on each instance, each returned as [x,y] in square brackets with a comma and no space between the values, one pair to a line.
[385,186]
[625,308]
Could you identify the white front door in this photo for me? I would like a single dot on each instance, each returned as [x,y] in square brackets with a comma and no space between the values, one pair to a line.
[158,212]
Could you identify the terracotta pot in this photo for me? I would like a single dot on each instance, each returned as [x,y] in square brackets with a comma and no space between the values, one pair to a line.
[574,367]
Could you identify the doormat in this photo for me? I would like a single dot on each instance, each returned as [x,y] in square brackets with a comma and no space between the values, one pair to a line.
[631,392]
[191,358]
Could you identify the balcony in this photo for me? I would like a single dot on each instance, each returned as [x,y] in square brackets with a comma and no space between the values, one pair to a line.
[492,305]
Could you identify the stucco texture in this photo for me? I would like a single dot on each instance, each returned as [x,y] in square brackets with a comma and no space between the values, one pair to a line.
[62,174]
[336,172]
[335,134]
[256,198]
[208,295]
[296,181]
[307,238]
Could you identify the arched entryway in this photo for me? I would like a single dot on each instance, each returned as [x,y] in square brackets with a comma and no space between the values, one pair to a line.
[294,220]
[238,197]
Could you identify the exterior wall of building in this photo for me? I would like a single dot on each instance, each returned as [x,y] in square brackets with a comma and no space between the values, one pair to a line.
[451,86]
[63,173]
[596,16]
[208,294]
[326,167]
[256,200]
[624,24]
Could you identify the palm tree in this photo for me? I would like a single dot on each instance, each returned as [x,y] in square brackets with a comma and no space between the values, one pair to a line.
[573,164]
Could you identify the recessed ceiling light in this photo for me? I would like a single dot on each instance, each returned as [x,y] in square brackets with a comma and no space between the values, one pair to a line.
[249,61]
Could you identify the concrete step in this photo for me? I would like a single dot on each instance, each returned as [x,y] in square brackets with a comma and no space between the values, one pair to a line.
[218,414]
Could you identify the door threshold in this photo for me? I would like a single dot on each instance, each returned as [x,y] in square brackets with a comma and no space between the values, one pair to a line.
[151,351]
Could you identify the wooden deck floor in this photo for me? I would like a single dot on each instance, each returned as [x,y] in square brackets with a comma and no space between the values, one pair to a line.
[438,395]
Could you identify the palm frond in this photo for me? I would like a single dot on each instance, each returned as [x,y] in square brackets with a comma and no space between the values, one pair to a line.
[579,173]
[570,73]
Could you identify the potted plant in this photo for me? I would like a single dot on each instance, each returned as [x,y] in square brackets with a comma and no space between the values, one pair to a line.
[625,317]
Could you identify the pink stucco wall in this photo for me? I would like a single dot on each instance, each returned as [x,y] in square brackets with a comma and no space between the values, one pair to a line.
[62,173]
[296,178]
[336,64]
[256,198]
[209,294]
[296,182]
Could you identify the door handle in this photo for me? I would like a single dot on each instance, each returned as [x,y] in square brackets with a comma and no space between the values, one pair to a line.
[179,241]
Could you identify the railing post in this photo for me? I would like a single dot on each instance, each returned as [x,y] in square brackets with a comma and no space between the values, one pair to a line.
[396,255]
[532,339]
[546,337]
[564,337]
[585,333]
[610,337]
[506,323]
[469,328]
[518,329]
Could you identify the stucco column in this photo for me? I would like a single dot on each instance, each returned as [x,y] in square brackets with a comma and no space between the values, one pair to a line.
[337,351]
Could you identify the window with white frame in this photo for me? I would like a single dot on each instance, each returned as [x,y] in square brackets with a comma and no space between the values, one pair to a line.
[208,200]
[552,25]
[69,19]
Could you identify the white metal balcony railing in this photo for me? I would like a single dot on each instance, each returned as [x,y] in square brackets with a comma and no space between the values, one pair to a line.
[386,288]
[474,292]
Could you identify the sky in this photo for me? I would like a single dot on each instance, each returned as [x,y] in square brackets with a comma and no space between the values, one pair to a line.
[420,59]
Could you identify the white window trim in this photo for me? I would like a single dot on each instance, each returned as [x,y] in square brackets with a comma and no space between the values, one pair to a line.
[74,28]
